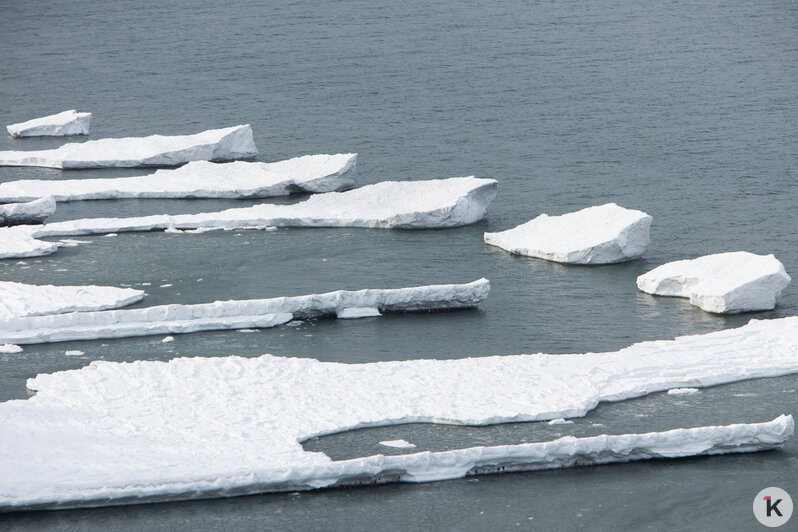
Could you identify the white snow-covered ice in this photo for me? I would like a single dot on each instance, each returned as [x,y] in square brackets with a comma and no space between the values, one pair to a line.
[19,300]
[27,212]
[398,444]
[723,283]
[358,312]
[436,203]
[682,391]
[223,426]
[603,234]
[235,314]
[156,150]
[202,179]
[7,349]
[58,125]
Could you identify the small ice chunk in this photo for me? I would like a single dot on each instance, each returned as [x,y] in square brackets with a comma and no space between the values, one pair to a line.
[604,234]
[682,391]
[723,283]
[168,339]
[560,421]
[109,235]
[358,312]
[58,125]
[74,353]
[30,212]
[10,348]
[167,285]
[247,330]
[398,444]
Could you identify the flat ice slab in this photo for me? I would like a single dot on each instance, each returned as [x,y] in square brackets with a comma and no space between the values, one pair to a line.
[156,150]
[58,125]
[436,203]
[724,283]
[28,212]
[235,314]
[604,234]
[222,426]
[203,179]
[19,299]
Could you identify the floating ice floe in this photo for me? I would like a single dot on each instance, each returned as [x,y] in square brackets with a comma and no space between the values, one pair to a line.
[19,300]
[359,312]
[236,314]
[724,283]
[7,349]
[222,426]
[74,353]
[156,150]
[436,203]
[203,179]
[604,234]
[682,391]
[57,125]
[29,212]
[398,444]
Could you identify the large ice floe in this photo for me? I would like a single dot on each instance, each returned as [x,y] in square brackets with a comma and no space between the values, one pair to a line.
[724,283]
[436,203]
[203,179]
[156,150]
[28,212]
[58,125]
[19,299]
[235,314]
[222,426]
[604,234]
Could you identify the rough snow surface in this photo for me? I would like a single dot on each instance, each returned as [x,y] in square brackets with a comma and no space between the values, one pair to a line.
[202,179]
[358,312]
[19,299]
[156,150]
[398,444]
[724,283]
[603,234]
[223,426]
[28,212]
[6,349]
[682,391]
[58,125]
[437,203]
[236,314]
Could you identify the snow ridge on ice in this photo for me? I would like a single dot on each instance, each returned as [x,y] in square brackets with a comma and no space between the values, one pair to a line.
[203,179]
[723,283]
[58,125]
[29,212]
[604,234]
[235,314]
[20,300]
[436,203]
[151,430]
[156,150]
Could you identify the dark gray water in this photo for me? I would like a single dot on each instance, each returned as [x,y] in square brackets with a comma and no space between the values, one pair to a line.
[683,109]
